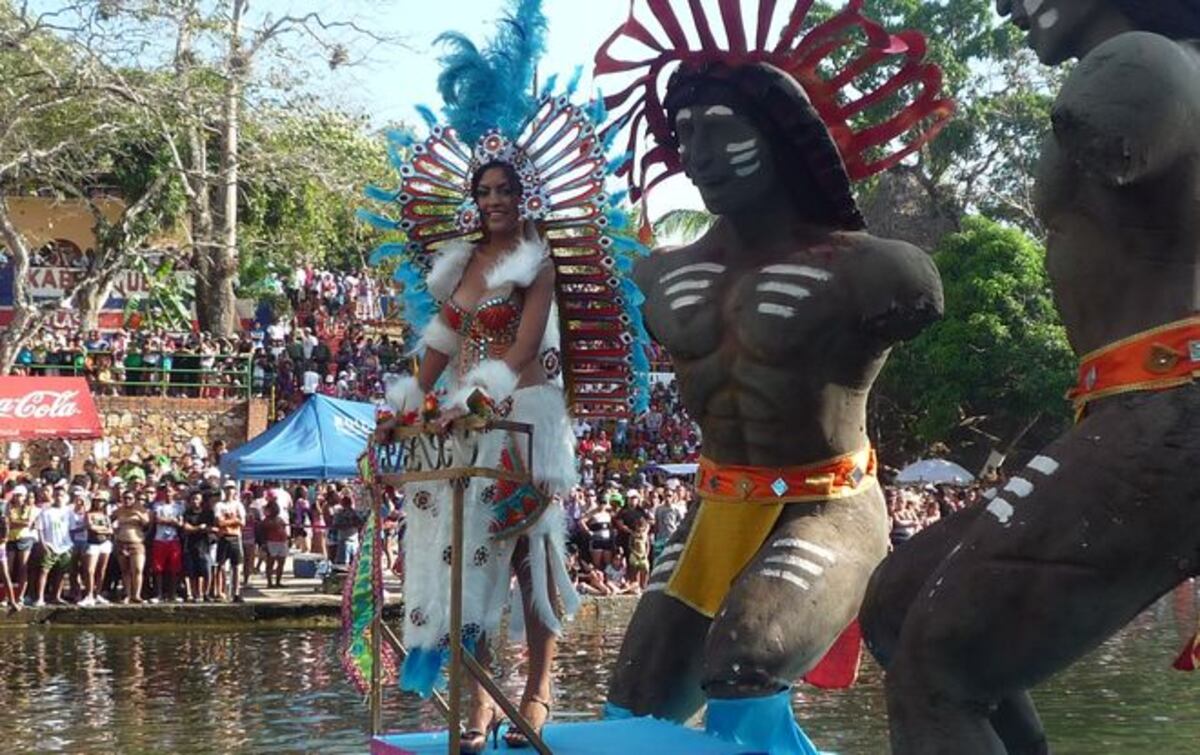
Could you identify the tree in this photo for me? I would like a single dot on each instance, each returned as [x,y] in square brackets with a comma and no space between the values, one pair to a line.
[63,125]
[983,159]
[998,363]
[203,68]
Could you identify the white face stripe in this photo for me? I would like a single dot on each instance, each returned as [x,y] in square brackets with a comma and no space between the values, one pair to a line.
[687,285]
[785,575]
[676,548]
[719,110]
[1048,19]
[685,114]
[800,563]
[1044,464]
[686,301]
[698,267]
[1019,486]
[1001,509]
[735,147]
[655,587]
[743,157]
[1032,6]
[796,543]
[749,170]
[804,271]
[776,310]
[787,289]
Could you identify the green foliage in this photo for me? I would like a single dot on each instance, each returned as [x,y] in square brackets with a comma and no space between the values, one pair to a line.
[999,357]
[984,157]
[304,180]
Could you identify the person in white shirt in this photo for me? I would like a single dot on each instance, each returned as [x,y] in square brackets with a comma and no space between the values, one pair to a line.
[166,553]
[54,529]
[311,380]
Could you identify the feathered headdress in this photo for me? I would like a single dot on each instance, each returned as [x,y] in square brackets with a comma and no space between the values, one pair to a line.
[553,144]
[830,62]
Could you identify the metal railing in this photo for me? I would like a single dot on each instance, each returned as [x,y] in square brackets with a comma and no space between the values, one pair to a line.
[422,454]
[109,376]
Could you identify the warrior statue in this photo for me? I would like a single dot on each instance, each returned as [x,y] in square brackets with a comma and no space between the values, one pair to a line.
[777,320]
[976,610]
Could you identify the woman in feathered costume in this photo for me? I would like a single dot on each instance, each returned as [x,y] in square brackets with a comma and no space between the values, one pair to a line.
[512,193]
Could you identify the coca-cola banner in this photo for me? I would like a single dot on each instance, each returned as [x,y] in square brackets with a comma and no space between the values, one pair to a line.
[47,407]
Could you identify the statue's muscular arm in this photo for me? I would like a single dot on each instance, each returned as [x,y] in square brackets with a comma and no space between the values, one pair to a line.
[1129,110]
[899,293]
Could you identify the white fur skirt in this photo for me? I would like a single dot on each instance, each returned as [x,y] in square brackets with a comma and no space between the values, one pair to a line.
[487,558]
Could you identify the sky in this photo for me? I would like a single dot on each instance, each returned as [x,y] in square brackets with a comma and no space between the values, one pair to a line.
[395,78]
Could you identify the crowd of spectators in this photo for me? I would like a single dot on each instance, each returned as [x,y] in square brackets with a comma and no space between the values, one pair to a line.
[329,343]
[159,530]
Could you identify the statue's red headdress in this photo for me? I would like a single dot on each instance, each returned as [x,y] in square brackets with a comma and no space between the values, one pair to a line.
[827,60]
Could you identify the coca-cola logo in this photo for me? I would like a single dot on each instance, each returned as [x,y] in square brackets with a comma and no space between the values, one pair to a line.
[41,405]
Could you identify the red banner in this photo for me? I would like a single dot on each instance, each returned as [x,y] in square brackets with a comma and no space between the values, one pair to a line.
[47,407]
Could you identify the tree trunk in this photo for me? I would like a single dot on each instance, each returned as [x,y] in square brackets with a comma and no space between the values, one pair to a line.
[88,302]
[223,257]
[27,319]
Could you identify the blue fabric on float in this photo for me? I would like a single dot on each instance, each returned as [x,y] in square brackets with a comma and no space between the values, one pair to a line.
[637,736]
[765,724]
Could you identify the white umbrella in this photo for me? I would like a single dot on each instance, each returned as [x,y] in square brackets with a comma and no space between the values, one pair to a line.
[934,471]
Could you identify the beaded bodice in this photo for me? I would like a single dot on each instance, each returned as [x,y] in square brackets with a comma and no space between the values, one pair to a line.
[489,331]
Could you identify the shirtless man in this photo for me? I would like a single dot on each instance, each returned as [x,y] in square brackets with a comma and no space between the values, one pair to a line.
[992,601]
[778,321]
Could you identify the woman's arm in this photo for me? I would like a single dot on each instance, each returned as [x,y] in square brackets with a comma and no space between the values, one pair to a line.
[534,316]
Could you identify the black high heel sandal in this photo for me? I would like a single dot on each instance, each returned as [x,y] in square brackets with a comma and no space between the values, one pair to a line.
[514,737]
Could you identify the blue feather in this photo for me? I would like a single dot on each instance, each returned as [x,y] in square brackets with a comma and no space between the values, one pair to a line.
[387,251]
[491,88]
[427,115]
[551,83]
[379,221]
[380,194]
[573,85]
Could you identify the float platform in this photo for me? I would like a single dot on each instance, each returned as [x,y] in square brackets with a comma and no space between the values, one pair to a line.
[633,736]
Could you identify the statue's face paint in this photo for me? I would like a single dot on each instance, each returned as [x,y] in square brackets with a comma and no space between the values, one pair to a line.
[1056,28]
[725,156]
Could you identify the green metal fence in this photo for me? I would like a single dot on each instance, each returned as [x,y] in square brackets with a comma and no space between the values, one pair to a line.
[231,375]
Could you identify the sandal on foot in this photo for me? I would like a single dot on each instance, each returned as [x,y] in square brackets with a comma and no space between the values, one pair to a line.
[475,740]
[514,737]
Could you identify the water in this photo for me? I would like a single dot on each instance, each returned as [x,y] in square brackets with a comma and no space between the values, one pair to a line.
[196,690]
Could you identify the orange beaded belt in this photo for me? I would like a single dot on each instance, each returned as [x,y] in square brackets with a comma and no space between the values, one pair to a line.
[1153,360]
[836,478]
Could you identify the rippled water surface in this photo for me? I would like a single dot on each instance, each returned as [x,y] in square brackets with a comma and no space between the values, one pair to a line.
[191,690]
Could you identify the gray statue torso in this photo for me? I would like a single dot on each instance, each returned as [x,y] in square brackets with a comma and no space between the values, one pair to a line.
[775,358]
[1118,187]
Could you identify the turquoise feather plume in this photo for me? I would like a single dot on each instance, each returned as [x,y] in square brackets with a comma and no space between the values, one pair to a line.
[492,87]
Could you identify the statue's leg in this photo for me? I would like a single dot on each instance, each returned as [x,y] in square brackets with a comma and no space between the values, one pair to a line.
[784,611]
[895,586]
[658,669]
[1096,529]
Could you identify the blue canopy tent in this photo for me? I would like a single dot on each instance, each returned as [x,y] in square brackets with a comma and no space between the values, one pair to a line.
[321,440]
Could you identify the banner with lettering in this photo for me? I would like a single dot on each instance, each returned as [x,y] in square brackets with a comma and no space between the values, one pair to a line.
[47,407]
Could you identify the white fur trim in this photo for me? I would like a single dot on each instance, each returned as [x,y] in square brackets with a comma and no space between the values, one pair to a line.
[493,376]
[519,267]
[404,394]
[544,407]
[447,269]
[440,336]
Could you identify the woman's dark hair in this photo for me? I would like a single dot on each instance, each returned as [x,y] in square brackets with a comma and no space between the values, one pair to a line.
[509,172]
[1177,19]
[808,160]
